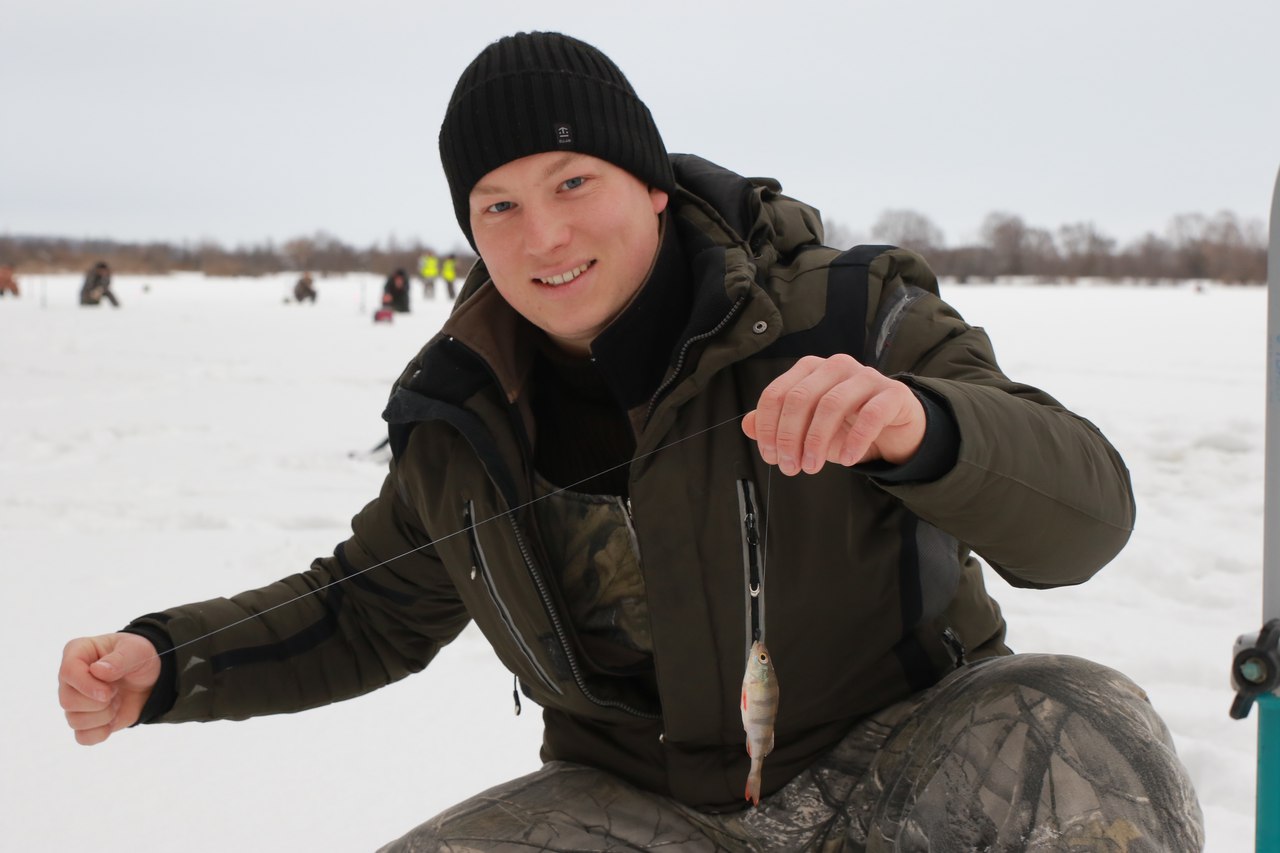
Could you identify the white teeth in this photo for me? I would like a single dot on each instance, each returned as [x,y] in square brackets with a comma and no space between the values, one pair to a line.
[566,276]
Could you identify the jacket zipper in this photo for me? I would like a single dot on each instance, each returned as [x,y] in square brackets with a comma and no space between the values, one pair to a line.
[684,352]
[562,636]
[752,565]
[480,566]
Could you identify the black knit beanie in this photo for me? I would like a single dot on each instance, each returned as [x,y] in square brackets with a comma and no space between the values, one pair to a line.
[535,92]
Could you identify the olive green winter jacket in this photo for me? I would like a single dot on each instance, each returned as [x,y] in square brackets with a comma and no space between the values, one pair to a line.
[871,590]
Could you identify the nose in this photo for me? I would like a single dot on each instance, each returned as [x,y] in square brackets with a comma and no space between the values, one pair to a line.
[545,230]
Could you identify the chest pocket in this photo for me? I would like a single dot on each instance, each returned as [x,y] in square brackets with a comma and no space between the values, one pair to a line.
[595,561]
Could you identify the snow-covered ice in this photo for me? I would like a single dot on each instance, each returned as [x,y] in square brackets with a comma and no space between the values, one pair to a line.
[195,443]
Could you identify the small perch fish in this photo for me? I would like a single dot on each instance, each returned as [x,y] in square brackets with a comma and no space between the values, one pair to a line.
[759,709]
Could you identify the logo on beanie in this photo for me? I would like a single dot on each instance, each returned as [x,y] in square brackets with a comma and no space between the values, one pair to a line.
[564,134]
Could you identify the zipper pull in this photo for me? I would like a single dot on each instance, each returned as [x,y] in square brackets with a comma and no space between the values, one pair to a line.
[471,535]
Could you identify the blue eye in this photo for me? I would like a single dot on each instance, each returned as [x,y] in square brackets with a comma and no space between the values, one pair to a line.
[573,183]
[499,207]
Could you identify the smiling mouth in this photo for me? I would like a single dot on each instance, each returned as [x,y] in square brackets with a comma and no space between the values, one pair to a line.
[566,277]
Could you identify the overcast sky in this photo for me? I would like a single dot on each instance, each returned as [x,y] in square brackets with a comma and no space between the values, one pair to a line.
[247,120]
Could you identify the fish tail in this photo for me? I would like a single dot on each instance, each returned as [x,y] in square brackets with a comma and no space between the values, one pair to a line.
[753,781]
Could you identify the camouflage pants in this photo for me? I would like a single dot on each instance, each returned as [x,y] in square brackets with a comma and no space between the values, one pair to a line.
[1021,753]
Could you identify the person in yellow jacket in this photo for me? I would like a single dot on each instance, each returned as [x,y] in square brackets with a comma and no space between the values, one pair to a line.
[449,272]
[429,270]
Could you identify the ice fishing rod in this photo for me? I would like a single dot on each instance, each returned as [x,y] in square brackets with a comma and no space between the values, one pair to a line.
[1255,666]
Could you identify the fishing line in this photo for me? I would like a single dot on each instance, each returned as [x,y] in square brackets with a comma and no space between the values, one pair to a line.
[764,543]
[434,541]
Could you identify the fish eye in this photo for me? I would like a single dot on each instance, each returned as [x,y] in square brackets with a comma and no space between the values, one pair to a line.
[764,658]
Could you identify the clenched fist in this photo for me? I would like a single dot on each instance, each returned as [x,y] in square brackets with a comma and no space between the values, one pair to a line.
[104,682]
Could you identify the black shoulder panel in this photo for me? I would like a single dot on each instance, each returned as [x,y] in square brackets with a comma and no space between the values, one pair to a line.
[447,371]
[449,375]
[407,409]
[843,326]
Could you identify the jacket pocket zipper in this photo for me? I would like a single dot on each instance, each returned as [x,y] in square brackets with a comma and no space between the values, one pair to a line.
[479,566]
[557,624]
[752,562]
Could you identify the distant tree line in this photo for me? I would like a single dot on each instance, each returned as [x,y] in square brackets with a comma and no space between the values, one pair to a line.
[1194,246]
[1221,248]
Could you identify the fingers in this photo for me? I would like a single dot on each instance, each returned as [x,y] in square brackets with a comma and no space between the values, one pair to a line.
[834,410]
[88,715]
[778,445]
[73,701]
[75,674]
[130,661]
[874,416]
[813,412]
[112,667]
[94,736]
[101,718]
[845,422]
[804,416]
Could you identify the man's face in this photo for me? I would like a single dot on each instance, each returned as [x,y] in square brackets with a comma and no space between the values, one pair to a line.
[568,239]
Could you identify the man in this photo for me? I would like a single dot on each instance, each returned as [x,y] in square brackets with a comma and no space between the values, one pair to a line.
[429,271]
[304,289]
[8,284]
[566,472]
[395,292]
[449,272]
[97,286]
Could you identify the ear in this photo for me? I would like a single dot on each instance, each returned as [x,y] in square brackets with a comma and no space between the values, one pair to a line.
[658,198]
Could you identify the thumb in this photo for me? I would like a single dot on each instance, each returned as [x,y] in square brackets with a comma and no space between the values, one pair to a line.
[123,656]
[110,667]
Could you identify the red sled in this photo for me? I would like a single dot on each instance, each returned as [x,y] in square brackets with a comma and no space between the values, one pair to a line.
[383,315]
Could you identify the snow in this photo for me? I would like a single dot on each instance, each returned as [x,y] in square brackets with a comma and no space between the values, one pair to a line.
[195,443]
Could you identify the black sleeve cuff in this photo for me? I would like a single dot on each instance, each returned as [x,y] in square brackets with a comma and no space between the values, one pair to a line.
[937,452]
[165,693]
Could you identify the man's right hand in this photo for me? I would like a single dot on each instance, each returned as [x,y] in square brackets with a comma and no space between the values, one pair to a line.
[103,683]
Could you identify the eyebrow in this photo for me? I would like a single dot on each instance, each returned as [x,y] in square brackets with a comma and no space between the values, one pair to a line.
[552,167]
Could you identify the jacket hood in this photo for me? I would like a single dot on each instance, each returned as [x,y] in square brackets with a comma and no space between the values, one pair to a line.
[751,211]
